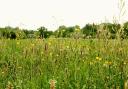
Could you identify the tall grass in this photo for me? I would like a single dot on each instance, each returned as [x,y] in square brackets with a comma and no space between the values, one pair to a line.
[65,63]
[72,63]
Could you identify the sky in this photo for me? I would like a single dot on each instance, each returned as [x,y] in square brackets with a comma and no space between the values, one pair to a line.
[31,14]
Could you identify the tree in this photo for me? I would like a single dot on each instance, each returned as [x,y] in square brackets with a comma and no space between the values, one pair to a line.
[60,32]
[64,31]
[43,33]
[125,28]
[12,35]
[89,30]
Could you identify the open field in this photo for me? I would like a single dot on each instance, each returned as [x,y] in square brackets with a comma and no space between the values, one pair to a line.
[71,63]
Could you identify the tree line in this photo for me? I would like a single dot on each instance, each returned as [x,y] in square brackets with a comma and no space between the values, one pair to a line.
[103,30]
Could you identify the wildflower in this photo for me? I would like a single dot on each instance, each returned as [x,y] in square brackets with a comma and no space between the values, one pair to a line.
[18,43]
[2,72]
[105,65]
[125,63]
[98,58]
[57,55]
[42,52]
[33,44]
[52,83]
[50,53]
[67,47]
[109,63]
[49,43]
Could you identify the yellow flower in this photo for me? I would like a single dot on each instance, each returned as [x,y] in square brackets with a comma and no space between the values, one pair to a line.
[42,52]
[57,55]
[18,43]
[109,62]
[49,43]
[125,63]
[51,54]
[33,44]
[67,47]
[20,67]
[98,58]
[2,72]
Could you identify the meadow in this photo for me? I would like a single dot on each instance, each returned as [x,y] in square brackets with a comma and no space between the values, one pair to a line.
[69,63]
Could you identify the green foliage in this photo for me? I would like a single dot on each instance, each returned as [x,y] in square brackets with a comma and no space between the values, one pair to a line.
[43,33]
[109,30]
[73,63]
[64,31]
[60,32]
[125,27]
[103,30]
[90,30]
[12,35]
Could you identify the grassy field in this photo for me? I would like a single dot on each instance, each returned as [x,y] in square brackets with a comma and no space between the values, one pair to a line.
[69,63]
